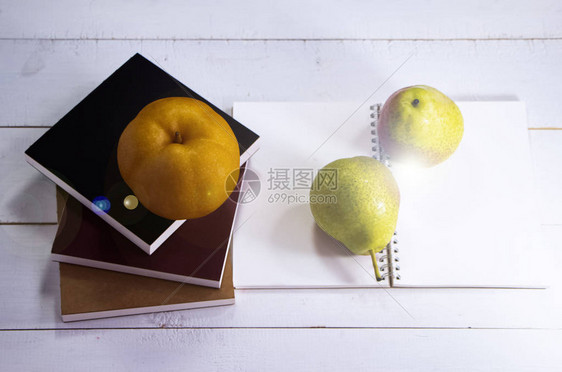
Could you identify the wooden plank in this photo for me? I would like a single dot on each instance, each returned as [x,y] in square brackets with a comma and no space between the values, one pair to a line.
[44,79]
[283,349]
[291,19]
[547,152]
[29,287]
[25,195]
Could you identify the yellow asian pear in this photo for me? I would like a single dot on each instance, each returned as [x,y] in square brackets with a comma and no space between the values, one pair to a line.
[176,155]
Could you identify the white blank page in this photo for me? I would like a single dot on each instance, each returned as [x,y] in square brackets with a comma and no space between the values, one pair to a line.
[472,220]
[468,222]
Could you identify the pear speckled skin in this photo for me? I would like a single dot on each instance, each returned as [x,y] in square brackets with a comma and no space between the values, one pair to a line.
[364,214]
[420,124]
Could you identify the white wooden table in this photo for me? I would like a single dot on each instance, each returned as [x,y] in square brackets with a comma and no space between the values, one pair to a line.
[52,55]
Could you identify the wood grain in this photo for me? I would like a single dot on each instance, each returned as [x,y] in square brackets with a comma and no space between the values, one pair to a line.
[43,79]
[283,349]
[30,288]
[25,195]
[28,197]
[53,54]
[547,151]
[291,19]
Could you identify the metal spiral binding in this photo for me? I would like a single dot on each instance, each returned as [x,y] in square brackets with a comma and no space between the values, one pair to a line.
[389,259]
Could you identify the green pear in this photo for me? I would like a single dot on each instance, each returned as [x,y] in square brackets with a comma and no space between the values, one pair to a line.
[356,200]
[420,124]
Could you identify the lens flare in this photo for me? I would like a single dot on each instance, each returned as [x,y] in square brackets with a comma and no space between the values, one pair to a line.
[130,202]
[101,205]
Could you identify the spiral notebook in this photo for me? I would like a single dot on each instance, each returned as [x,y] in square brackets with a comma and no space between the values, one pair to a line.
[468,222]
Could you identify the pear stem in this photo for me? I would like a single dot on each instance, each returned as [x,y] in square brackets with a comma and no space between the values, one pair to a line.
[177,138]
[375,265]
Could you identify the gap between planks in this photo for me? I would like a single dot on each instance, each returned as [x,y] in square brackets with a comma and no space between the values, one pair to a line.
[555,38]
[49,126]
[28,223]
[280,328]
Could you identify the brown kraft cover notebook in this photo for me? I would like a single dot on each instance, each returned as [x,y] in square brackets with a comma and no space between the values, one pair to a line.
[88,293]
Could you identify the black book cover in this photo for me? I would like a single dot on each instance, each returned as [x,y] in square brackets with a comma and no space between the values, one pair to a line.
[79,152]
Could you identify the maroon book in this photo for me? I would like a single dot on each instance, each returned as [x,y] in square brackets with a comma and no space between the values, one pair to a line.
[195,253]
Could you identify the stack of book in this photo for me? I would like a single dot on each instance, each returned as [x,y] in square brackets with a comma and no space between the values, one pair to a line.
[113,260]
